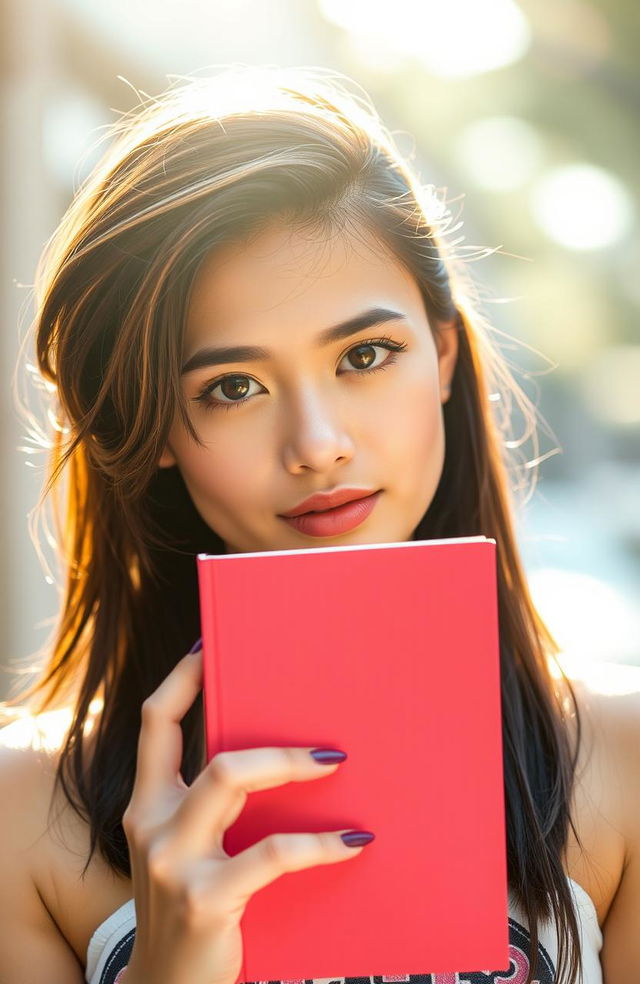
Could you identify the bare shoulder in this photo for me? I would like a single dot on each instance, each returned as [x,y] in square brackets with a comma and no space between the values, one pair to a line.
[608,696]
[31,946]
[609,702]
[29,750]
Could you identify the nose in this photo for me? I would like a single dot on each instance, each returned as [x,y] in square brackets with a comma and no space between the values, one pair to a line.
[316,433]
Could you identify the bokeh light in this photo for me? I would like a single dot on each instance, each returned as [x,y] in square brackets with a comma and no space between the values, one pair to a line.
[456,39]
[582,207]
[589,619]
[611,387]
[499,153]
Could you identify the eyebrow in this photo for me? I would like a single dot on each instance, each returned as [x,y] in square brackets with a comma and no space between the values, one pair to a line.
[254,353]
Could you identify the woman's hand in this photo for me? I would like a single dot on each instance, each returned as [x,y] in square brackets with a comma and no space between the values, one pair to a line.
[190,895]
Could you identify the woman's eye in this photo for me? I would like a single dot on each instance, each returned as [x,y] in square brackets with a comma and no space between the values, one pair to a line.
[363,356]
[231,390]
[234,388]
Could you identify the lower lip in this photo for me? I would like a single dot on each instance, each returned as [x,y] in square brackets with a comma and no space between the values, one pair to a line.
[332,522]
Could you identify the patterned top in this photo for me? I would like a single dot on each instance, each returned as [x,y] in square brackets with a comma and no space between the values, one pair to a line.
[111,945]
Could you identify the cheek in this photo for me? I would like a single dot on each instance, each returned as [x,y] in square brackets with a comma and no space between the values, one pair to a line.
[412,419]
[226,471]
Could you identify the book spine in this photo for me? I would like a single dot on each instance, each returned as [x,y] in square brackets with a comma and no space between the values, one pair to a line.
[203,577]
[209,613]
[215,685]
[216,662]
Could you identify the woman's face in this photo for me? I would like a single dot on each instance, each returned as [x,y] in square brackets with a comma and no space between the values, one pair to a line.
[310,415]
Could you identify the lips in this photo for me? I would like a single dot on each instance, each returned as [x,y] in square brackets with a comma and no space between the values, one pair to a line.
[322,501]
[336,521]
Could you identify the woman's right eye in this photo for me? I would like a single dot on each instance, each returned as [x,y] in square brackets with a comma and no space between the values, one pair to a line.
[233,392]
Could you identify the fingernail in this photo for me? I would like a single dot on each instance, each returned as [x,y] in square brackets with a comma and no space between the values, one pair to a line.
[196,646]
[327,756]
[356,838]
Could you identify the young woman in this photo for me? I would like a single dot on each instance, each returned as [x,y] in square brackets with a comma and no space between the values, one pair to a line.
[250,301]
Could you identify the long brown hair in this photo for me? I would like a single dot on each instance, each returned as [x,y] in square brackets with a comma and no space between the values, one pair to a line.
[209,162]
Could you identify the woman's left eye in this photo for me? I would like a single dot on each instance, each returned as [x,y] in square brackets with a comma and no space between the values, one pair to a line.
[363,356]
[364,361]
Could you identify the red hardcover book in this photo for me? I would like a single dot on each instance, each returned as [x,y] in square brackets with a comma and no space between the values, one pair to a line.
[389,652]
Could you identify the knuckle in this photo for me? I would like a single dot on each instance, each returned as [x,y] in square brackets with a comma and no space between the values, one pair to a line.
[136,818]
[197,903]
[291,758]
[275,849]
[128,820]
[131,822]
[221,770]
[325,840]
[160,865]
[149,709]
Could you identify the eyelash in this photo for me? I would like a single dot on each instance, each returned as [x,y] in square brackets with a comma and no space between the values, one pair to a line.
[206,400]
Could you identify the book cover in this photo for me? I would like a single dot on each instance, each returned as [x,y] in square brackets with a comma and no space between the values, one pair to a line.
[391,653]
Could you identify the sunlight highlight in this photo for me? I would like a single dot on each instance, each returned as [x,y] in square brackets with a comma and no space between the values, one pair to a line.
[591,621]
[456,39]
[582,207]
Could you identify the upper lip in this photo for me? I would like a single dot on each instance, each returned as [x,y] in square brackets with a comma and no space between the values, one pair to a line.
[320,501]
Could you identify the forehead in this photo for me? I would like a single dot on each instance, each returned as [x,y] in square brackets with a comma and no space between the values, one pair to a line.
[295,277]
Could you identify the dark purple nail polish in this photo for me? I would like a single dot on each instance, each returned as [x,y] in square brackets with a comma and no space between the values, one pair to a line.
[327,756]
[356,838]
[196,646]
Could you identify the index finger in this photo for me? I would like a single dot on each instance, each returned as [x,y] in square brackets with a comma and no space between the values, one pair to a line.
[160,739]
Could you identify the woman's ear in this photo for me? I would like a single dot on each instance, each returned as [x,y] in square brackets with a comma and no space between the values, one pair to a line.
[447,345]
[167,458]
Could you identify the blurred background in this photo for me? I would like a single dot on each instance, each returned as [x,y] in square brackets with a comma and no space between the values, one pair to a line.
[524,115]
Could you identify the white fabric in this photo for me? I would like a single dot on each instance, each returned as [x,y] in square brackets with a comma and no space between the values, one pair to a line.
[590,933]
[108,936]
